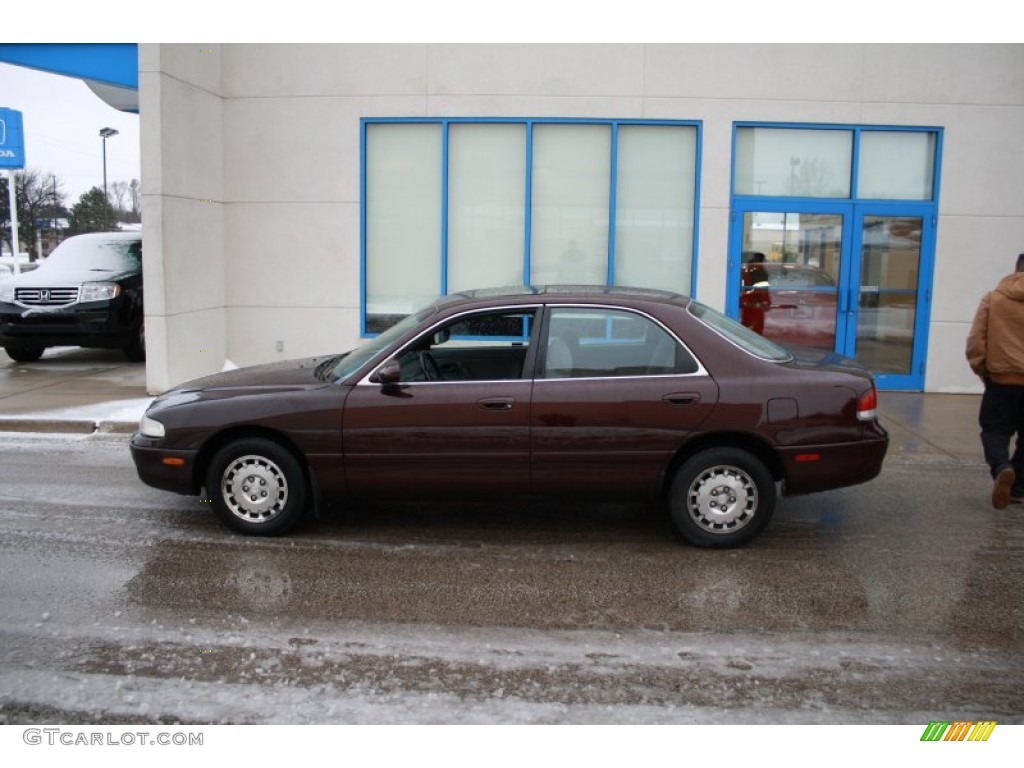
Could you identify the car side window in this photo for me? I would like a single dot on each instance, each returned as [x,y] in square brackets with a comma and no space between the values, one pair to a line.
[595,342]
[480,346]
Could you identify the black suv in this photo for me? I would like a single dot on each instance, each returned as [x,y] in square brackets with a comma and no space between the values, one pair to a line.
[87,293]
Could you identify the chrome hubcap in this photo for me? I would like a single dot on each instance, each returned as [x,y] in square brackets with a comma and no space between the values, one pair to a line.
[254,489]
[722,499]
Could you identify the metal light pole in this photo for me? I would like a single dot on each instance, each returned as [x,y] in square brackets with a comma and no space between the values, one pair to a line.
[106,133]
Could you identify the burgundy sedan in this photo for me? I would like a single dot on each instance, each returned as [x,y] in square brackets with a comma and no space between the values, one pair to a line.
[589,391]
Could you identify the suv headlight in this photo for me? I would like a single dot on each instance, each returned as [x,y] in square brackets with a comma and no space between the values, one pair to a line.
[99,291]
[151,427]
[6,292]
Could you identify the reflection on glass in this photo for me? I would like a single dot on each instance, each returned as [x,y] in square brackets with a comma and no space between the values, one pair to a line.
[569,219]
[790,275]
[890,259]
[793,162]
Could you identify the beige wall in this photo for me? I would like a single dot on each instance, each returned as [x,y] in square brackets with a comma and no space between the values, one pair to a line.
[270,134]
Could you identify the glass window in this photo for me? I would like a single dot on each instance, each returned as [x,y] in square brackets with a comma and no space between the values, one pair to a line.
[483,346]
[452,205]
[486,205]
[896,165]
[571,173]
[608,342]
[654,206]
[793,162]
[738,334]
[403,220]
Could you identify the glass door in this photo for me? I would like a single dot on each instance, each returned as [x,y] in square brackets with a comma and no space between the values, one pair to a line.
[848,278]
[789,272]
[889,296]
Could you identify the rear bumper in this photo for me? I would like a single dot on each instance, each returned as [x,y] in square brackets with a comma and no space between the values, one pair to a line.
[812,468]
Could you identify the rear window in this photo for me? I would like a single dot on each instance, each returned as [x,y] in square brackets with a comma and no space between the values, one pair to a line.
[738,334]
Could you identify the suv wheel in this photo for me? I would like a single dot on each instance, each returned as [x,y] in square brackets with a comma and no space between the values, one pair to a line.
[24,354]
[135,350]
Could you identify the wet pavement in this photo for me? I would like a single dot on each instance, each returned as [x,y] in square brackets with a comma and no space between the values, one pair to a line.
[898,601]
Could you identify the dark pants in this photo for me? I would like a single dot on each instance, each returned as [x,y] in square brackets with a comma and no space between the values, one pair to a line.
[1002,416]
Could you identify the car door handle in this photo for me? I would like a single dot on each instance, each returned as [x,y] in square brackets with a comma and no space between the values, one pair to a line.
[682,398]
[496,403]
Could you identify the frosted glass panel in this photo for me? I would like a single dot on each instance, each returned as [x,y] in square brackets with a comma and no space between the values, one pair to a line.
[896,165]
[486,205]
[403,220]
[571,172]
[793,162]
[654,206]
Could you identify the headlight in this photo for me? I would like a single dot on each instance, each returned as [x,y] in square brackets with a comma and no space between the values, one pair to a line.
[151,427]
[99,291]
[6,292]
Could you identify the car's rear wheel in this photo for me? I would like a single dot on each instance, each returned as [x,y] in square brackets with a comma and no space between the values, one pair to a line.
[721,497]
[257,487]
[135,349]
[24,353]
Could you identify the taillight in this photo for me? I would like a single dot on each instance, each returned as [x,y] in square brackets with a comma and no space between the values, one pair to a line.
[867,404]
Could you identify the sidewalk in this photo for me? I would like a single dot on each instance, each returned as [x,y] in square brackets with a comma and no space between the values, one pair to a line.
[72,390]
[82,391]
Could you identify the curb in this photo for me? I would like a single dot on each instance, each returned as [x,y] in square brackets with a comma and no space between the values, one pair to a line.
[68,426]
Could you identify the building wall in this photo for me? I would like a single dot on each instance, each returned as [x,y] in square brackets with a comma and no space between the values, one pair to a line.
[270,134]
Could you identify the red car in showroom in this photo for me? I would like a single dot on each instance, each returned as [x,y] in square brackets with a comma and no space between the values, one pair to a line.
[588,391]
[792,304]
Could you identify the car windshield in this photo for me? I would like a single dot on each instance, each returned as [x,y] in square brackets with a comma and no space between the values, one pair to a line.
[355,359]
[94,254]
[738,334]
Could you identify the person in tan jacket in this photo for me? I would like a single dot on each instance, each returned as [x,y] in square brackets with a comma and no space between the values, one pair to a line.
[995,352]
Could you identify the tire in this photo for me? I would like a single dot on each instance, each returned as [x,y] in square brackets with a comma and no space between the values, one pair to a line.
[24,353]
[721,497]
[135,350]
[273,478]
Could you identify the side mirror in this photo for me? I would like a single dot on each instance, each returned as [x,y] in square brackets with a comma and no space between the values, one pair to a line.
[389,373]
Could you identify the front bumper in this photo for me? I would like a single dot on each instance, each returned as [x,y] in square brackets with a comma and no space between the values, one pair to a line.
[103,324]
[177,477]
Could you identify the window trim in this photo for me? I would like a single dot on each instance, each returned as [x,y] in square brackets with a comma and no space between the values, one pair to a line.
[542,346]
[528,363]
[528,123]
[856,132]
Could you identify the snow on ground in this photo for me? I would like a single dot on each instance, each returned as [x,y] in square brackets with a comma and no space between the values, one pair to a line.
[112,410]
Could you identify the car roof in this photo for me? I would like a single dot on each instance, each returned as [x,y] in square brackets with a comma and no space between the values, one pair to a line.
[599,293]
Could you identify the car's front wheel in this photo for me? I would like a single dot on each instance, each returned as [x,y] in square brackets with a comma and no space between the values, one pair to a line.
[257,487]
[24,353]
[721,497]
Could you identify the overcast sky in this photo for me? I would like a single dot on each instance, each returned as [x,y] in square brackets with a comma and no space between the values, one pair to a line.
[62,121]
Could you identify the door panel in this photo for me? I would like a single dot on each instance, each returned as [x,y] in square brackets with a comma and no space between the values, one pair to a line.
[615,397]
[790,273]
[438,436]
[890,286]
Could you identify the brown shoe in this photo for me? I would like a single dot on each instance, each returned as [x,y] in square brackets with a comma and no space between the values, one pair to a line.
[1001,488]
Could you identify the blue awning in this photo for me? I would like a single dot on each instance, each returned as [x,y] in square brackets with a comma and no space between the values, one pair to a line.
[114,64]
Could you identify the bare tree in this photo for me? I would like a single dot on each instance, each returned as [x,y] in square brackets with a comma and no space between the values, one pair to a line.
[118,193]
[40,199]
[135,197]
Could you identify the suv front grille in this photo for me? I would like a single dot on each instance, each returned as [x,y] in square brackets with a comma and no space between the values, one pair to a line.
[45,297]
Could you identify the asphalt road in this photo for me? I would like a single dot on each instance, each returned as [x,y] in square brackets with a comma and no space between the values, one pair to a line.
[899,601]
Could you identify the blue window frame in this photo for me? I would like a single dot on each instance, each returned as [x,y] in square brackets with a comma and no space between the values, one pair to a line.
[641,238]
[879,311]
